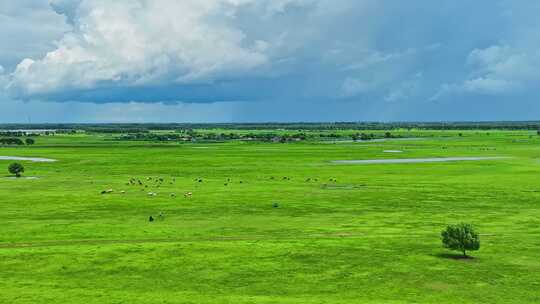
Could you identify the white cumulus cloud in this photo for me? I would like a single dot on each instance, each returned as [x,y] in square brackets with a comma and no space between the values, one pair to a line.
[498,69]
[137,42]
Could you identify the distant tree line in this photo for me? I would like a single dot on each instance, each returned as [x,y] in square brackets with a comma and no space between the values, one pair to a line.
[282,136]
[16,141]
[12,134]
[27,133]
[371,136]
[191,135]
[141,128]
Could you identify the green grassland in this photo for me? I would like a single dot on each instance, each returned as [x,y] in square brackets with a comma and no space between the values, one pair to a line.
[341,234]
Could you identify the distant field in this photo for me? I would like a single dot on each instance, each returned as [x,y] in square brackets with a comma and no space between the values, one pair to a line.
[270,222]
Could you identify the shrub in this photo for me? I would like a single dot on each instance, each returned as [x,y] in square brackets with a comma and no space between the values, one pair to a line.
[461,237]
[16,168]
[11,141]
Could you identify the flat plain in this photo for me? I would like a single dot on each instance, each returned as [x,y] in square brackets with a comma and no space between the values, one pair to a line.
[253,222]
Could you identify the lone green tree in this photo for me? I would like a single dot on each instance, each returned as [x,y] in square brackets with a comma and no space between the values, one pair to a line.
[30,141]
[16,168]
[461,237]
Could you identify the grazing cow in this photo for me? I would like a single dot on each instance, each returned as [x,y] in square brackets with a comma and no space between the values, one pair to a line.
[188,194]
[107,191]
[152,194]
[150,218]
[122,192]
[173,194]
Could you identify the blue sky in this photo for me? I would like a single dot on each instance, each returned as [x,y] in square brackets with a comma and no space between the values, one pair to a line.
[268,60]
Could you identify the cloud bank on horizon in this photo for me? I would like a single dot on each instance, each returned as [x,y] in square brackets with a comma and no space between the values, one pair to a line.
[382,56]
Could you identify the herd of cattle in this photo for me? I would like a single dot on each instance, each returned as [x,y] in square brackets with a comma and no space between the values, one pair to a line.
[150,182]
[157,182]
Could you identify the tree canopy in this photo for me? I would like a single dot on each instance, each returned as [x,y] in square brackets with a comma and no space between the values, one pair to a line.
[461,237]
[16,168]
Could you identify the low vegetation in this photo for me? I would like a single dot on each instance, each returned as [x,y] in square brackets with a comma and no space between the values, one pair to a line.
[16,168]
[16,141]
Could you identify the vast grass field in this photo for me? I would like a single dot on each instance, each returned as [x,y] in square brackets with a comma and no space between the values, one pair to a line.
[341,233]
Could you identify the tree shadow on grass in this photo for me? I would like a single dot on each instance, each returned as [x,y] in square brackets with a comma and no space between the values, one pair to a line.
[20,177]
[454,256]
